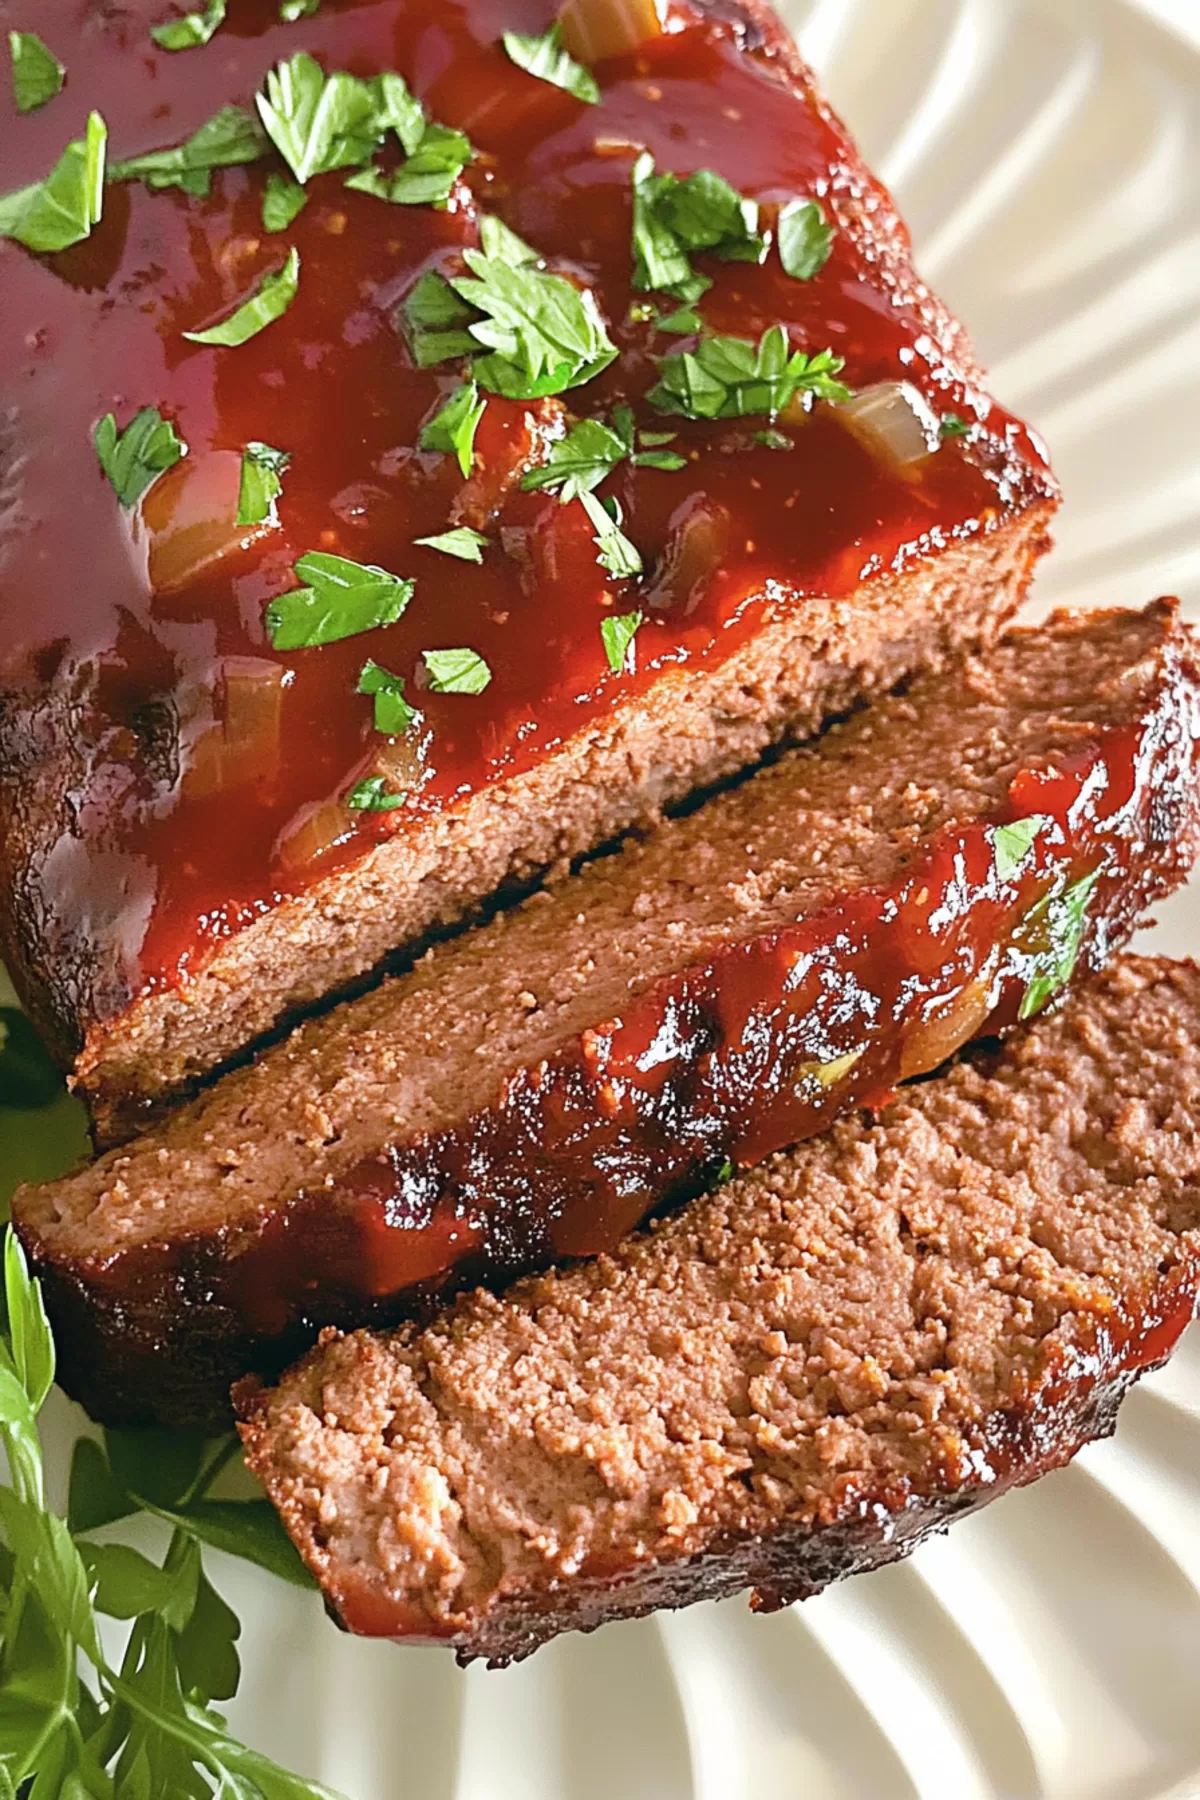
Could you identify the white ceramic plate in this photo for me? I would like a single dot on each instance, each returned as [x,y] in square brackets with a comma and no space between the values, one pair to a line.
[1044,152]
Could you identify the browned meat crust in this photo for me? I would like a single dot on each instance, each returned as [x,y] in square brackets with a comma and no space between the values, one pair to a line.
[533,1090]
[795,1379]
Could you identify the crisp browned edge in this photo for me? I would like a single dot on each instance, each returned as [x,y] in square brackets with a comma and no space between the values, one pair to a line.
[79,995]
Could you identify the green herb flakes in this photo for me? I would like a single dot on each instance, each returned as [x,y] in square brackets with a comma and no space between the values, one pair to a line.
[261,484]
[462,542]
[275,294]
[428,176]
[617,635]
[373,795]
[1053,932]
[340,598]
[37,73]
[952,426]
[291,10]
[545,57]
[805,238]
[452,429]
[60,211]
[616,553]
[194,28]
[675,216]
[134,459]
[283,200]
[393,715]
[1011,844]
[231,137]
[730,378]
[591,450]
[541,332]
[456,671]
[434,321]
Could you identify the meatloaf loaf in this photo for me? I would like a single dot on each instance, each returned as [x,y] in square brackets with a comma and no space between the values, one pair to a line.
[219,801]
[922,874]
[795,1379]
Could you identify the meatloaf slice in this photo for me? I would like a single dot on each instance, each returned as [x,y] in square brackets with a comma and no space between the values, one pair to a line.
[796,1378]
[201,829]
[922,874]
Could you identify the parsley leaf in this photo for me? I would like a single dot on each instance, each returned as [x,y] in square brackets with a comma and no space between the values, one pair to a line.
[618,634]
[1012,843]
[953,427]
[291,10]
[320,122]
[428,176]
[393,715]
[731,378]
[275,294]
[28,1078]
[452,429]
[36,71]
[194,28]
[616,554]
[134,458]
[456,671]
[591,450]
[373,795]
[261,484]
[61,210]
[1059,922]
[340,599]
[434,321]
[543,333]
[545,57]
[774,440]
[462,542]
[805,239]
[674,216]
[230,137]
[282,201]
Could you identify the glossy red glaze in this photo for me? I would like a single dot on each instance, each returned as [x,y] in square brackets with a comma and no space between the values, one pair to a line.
[100,327]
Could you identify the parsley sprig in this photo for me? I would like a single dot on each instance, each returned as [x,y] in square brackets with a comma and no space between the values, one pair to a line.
[591,450]
[71,1722]
[733,378]
[340,599]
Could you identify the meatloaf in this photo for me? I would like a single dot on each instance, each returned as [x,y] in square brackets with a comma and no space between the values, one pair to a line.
[795,1379]
[922,874]
[205,824]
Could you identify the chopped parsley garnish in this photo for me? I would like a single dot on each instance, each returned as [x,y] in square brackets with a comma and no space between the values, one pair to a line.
[374,795]
[953,427]
[675,216]
[591,450]
[262,483]
[194,28]
[732,378]
[393,715]
[61,210]
[683,322]
[452,429]
[462,542]
[1059,920]
[275,294]
[805,238]
[1012,843]
[283,200]
[340,598]
[435,322]
[230,137]
[545,57]
[621,558]
[291,10]
[774,440]
[316,121]
[134,459]
[36,72]
[541,332]
[456,671]
[618,636]
[428,176]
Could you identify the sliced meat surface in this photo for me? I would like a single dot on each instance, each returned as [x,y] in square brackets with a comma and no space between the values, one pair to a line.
[794,1379]
[930,870]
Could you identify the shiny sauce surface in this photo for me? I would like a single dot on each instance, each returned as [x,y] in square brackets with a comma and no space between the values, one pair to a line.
[119,614]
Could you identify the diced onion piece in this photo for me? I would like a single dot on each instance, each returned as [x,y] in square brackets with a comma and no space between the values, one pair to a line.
[312,833]
[401,760]
[594,29]
[929,1043]
[895,419]
[696,550]
[244,744]
[190,518]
